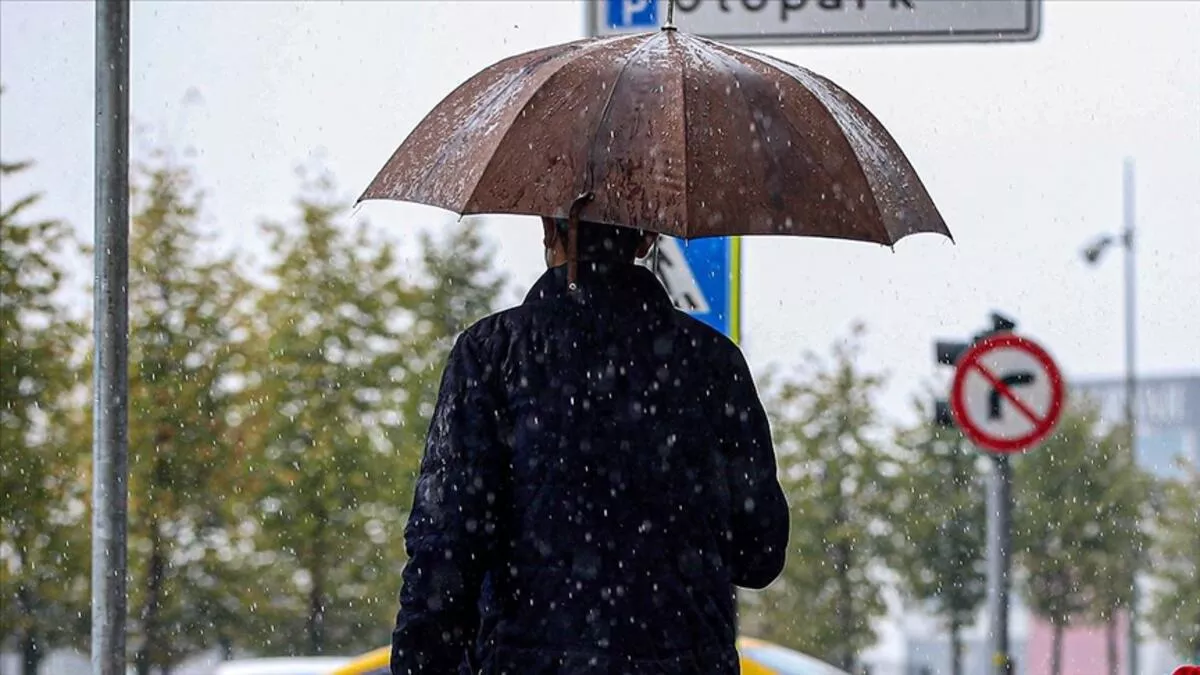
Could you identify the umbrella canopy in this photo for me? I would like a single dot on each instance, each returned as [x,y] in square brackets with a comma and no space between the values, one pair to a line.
[667,132]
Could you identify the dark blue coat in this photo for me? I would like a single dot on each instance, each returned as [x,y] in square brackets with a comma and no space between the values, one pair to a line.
[598,476]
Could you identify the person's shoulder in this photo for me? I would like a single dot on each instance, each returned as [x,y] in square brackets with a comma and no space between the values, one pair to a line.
[704,333]
[716,346]
[497,328]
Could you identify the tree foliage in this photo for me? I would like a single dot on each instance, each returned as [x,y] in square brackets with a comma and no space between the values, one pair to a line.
[457,285]
[1075,497]
[833,467]
[940,527]
[186,358]
[329,377]
[1176,609]
[350,353]
[44,552]
[1122,499]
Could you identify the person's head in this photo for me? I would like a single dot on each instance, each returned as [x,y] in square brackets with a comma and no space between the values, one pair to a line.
[597,242]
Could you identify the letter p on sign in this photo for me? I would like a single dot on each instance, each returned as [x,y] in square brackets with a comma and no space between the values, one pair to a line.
[632,13]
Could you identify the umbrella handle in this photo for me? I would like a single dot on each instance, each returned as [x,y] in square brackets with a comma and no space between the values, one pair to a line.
[573,238]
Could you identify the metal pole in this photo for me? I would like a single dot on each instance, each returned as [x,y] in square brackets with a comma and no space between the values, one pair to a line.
[110,465]
[999,552]
[1131,394]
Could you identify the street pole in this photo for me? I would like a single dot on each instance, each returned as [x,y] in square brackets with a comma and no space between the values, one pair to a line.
[110,395]
[1131,394]
[999,560]
[999,499]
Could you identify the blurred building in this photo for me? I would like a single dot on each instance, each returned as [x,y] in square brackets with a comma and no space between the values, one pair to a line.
[1168,417]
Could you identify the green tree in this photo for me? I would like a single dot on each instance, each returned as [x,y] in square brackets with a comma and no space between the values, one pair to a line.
[1121,502]
[1176,611]
[332,481]
[185,364]
[1061,496]
[44,553]
[940,529]
[458,285]
[832,466]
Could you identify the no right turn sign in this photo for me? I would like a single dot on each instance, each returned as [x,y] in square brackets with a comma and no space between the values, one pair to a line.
[1007,393]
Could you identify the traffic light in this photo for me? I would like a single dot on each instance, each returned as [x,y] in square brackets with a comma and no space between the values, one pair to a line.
[948,352]
[942,416]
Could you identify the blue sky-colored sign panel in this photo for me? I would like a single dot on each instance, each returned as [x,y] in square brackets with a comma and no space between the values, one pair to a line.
[703,278]
[632,13]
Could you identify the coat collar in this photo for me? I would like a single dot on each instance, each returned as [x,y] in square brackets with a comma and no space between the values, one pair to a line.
[608,284]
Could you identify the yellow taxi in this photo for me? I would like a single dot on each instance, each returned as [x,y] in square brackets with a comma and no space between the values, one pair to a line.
[757,658]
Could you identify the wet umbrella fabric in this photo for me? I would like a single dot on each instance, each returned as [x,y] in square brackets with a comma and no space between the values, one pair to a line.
[668,132]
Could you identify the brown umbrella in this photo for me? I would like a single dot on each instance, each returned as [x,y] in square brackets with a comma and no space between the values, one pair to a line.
[664,131]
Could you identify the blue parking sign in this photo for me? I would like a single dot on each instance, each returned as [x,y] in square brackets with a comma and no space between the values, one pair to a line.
[703,278]
[716,266]
[632,13]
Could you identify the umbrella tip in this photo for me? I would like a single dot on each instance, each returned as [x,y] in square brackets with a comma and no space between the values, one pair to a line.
[670,23]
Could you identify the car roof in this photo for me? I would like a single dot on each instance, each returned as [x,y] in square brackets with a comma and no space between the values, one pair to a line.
[299,665]
[783,661]
[376,659]
[786,661]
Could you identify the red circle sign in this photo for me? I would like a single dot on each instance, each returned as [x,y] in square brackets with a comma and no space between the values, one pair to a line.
[1007,393]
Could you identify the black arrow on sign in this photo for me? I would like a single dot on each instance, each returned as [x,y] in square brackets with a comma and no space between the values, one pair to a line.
[1012,380]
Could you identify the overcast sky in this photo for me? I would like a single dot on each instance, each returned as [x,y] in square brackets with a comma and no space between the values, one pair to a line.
[1020,146]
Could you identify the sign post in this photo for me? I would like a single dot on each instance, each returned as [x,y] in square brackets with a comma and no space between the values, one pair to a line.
[110,397]
[1006,397]
[999,561]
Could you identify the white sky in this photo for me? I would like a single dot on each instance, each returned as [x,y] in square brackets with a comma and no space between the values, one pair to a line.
[1019,144]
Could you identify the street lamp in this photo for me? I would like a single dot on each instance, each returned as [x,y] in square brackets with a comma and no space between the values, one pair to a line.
[1094,251]
[1092,254]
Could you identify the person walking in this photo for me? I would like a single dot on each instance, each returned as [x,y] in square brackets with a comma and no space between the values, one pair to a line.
[598,477]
